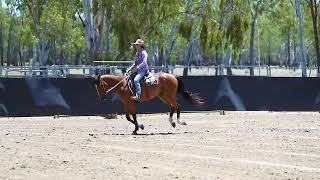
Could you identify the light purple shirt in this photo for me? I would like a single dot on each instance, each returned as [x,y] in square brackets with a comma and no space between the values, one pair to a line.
[141,60]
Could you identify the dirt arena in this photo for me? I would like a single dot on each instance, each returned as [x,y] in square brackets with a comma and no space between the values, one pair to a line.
[238,145]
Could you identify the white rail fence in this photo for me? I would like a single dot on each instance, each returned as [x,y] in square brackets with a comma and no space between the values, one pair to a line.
[56,71]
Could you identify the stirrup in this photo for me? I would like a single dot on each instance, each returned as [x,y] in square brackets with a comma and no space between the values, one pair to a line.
[136,98]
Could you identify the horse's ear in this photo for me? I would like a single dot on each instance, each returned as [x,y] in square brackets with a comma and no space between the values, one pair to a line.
[97,80]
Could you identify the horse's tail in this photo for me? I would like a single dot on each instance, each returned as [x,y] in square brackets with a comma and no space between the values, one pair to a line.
[195,99]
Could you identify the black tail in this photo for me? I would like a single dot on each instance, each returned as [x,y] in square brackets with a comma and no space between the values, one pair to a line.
[191,97]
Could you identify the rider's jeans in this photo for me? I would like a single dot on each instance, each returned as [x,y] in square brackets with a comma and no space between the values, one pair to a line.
[137,79]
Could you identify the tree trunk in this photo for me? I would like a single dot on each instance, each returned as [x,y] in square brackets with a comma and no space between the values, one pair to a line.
[98,33]
[301,37]
[269,52]
[1,44]
[188,53]
[10,44]
[61,57]
[251,55]
[34,55]
[294,52]
[240,59]
[54,50]
[162,57]
[288,48]
[77,56]
[88,29]
[20,55]
[216,64]
[279,56]
[188,56]
[155,54]
[258,34]
[15,55]
[42,48]
[171,42]
[314,15]
[94,19]
[229,61]
[108,37]
[170,50]
[308,59]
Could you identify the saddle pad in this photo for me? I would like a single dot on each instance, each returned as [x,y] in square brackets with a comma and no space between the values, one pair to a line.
[151,79]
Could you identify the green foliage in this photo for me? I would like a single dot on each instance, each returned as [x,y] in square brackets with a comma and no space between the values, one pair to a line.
[236,29]
[204,34]
[216,25]
[185,29]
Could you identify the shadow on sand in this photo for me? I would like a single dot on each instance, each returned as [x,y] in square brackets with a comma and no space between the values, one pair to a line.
[146,134]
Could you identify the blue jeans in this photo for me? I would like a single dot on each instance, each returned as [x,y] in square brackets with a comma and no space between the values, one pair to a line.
[137,79]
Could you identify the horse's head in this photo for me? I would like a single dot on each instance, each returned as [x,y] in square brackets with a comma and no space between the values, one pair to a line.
[101,86]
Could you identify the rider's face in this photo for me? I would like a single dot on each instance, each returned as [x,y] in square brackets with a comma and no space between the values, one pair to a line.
[138,46]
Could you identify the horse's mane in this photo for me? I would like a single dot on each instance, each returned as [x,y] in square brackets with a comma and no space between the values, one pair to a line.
[111,77]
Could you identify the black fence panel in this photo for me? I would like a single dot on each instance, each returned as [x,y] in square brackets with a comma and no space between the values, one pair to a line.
[77,96]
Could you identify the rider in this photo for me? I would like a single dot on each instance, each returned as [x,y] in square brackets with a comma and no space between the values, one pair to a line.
[140,66]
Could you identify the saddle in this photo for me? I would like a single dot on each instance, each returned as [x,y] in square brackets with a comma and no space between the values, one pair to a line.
[148,79]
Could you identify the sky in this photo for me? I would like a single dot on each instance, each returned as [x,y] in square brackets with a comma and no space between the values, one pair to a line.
[3,4]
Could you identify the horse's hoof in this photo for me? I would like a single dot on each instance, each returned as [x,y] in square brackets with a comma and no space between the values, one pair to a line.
[141,126]
[183,123]
[134,133]
[173,124]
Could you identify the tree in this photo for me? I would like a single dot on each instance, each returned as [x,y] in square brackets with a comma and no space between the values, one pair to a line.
[1,43]
[279,27]
[257,7]
[297,5]
[175,31]
[313,5]
[225,34]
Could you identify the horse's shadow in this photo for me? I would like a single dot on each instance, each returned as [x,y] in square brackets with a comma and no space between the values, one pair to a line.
[147,134]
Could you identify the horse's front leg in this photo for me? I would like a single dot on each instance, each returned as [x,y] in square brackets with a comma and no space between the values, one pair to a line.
[131,109]
[135,122]
[137,126]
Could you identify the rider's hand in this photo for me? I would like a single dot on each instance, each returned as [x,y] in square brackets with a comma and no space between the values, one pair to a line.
[134,69]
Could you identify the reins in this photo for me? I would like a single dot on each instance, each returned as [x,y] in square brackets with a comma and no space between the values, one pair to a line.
[127,74]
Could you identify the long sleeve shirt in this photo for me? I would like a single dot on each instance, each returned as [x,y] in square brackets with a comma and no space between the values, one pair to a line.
[141,60]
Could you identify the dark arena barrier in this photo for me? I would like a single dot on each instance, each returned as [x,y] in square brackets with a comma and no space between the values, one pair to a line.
[77,96]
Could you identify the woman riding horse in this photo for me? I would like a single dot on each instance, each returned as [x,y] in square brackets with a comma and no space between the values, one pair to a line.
[140,67]
[166,89]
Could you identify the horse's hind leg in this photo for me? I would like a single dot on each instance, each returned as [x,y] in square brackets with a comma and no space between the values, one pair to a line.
[173,124]
[172,108]
[178,115]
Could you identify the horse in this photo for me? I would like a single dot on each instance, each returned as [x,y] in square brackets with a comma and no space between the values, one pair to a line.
[166,89]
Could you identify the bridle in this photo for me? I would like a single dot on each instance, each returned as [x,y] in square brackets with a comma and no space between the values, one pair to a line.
[103,83]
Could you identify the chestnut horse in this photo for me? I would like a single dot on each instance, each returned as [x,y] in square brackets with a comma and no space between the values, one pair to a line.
[166,88]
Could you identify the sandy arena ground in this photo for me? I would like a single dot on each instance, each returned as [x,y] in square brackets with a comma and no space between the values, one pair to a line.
[238,145]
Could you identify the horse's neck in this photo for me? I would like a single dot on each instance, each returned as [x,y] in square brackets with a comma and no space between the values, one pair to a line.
[112,80]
